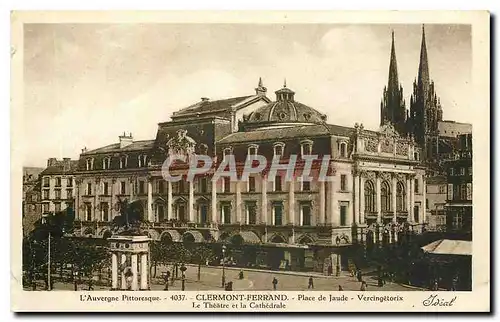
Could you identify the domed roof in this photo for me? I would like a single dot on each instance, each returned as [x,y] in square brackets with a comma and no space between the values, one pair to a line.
[285,110]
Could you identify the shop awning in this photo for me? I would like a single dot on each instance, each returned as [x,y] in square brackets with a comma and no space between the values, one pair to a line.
[449,247]
[249,237]
[197,236]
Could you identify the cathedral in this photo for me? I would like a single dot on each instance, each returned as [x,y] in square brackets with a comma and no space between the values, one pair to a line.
[424,119]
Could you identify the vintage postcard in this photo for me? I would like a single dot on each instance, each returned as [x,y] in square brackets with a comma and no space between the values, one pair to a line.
[250,161]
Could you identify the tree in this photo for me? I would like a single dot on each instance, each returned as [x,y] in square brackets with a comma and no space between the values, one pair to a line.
[201,254]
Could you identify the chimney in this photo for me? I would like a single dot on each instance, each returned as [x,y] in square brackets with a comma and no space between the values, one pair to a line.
[125,140]
[66,164]
[205,99]
[51,162]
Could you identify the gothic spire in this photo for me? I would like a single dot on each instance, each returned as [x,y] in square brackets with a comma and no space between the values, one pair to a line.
[393,69]
[423,67]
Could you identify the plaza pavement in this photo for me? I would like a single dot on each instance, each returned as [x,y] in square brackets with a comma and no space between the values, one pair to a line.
[255,280]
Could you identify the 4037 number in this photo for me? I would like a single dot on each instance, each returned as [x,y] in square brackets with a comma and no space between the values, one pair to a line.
[178,297]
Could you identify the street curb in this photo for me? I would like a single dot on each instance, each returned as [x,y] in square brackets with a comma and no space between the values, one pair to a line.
[274,272]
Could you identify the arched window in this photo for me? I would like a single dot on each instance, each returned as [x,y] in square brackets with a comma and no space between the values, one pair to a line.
[252,149]
[385,196]
[143,160]
[89,163]
[400,197]
[369,197]
[343,150]
[105,163]
[279,147]
[123,162]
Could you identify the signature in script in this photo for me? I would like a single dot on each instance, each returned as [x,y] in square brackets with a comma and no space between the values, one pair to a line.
[434,300]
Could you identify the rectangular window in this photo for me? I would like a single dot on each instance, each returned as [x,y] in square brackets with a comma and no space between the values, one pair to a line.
[181,213]
[442,189]
[306,185]
[161,187]
[203,214]
[457,222]
[141,187]
[203,185]
[251,184]
[306,215]
[450,191]
[463,191]
[343,215]
[277,183]
[278,214]
[89,188]
[58,182]
[251,213]
[69,193]
[416,215]
[343,182]
[227,185]
[470,171]
[46,182]
[69,182]
[57,206]
[45,207]
[46,194]
[452,171]
[469,191]
[226,214]
[57,193]
[104,211]
[427,204]
[88,211]
[122,187]
[462,171]
[181,186]
[105,189]
[417,188]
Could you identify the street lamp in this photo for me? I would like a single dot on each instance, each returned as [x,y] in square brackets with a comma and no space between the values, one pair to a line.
[337,273]
[183,269]
[223,265]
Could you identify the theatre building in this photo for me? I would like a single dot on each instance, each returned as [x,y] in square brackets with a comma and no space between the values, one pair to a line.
[377,190]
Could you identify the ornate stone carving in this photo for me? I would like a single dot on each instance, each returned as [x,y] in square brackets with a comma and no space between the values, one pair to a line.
[388,130]
[181,144]
[387,146]
[401,148]
[371,175]
[385,175]
[371,145]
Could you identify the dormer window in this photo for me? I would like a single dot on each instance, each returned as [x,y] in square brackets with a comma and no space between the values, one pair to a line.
[89,164]
[343,150]
[227,151]
[143,160]
[252,149]
[306,147]
[123,162]
[106,163]
[279,147]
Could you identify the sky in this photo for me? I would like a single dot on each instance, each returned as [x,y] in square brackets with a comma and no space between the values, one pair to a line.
[85,84]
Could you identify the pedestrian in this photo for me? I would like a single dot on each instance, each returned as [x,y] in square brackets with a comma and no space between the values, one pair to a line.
[359,275]
[340,288]
[229,286]
[75,284]
[435,286]
[275,283]
[91,286]
[363,286]
[311,284]
[241,275]
[167,277]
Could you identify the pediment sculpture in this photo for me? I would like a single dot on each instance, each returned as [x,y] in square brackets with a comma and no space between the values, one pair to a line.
[181,144]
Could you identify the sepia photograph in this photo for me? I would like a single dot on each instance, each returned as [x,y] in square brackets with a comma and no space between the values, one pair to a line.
[253,157]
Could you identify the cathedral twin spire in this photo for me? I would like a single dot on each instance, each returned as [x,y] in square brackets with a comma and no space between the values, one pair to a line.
[425,108]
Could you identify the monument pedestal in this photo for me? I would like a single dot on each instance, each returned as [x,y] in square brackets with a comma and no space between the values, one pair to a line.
[129,262]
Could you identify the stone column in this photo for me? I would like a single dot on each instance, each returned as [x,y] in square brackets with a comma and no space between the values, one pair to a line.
[134,264]
[379,200]
[424,200]
[151,216]
[321,202]
[412,198]
[124,280]
[97,208]
[170,215]
[132,188]
[114,271]
[112,208]
[191,201]
[291,201]
[213,202]
[77,199]
[394,198]
[239,218]
[264,200]
[144,271]
[408,197]
[361,199]
[333,203]
[356,189]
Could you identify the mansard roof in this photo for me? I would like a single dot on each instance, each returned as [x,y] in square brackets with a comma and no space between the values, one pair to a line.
[299,131]
[61,168]
[115,147]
